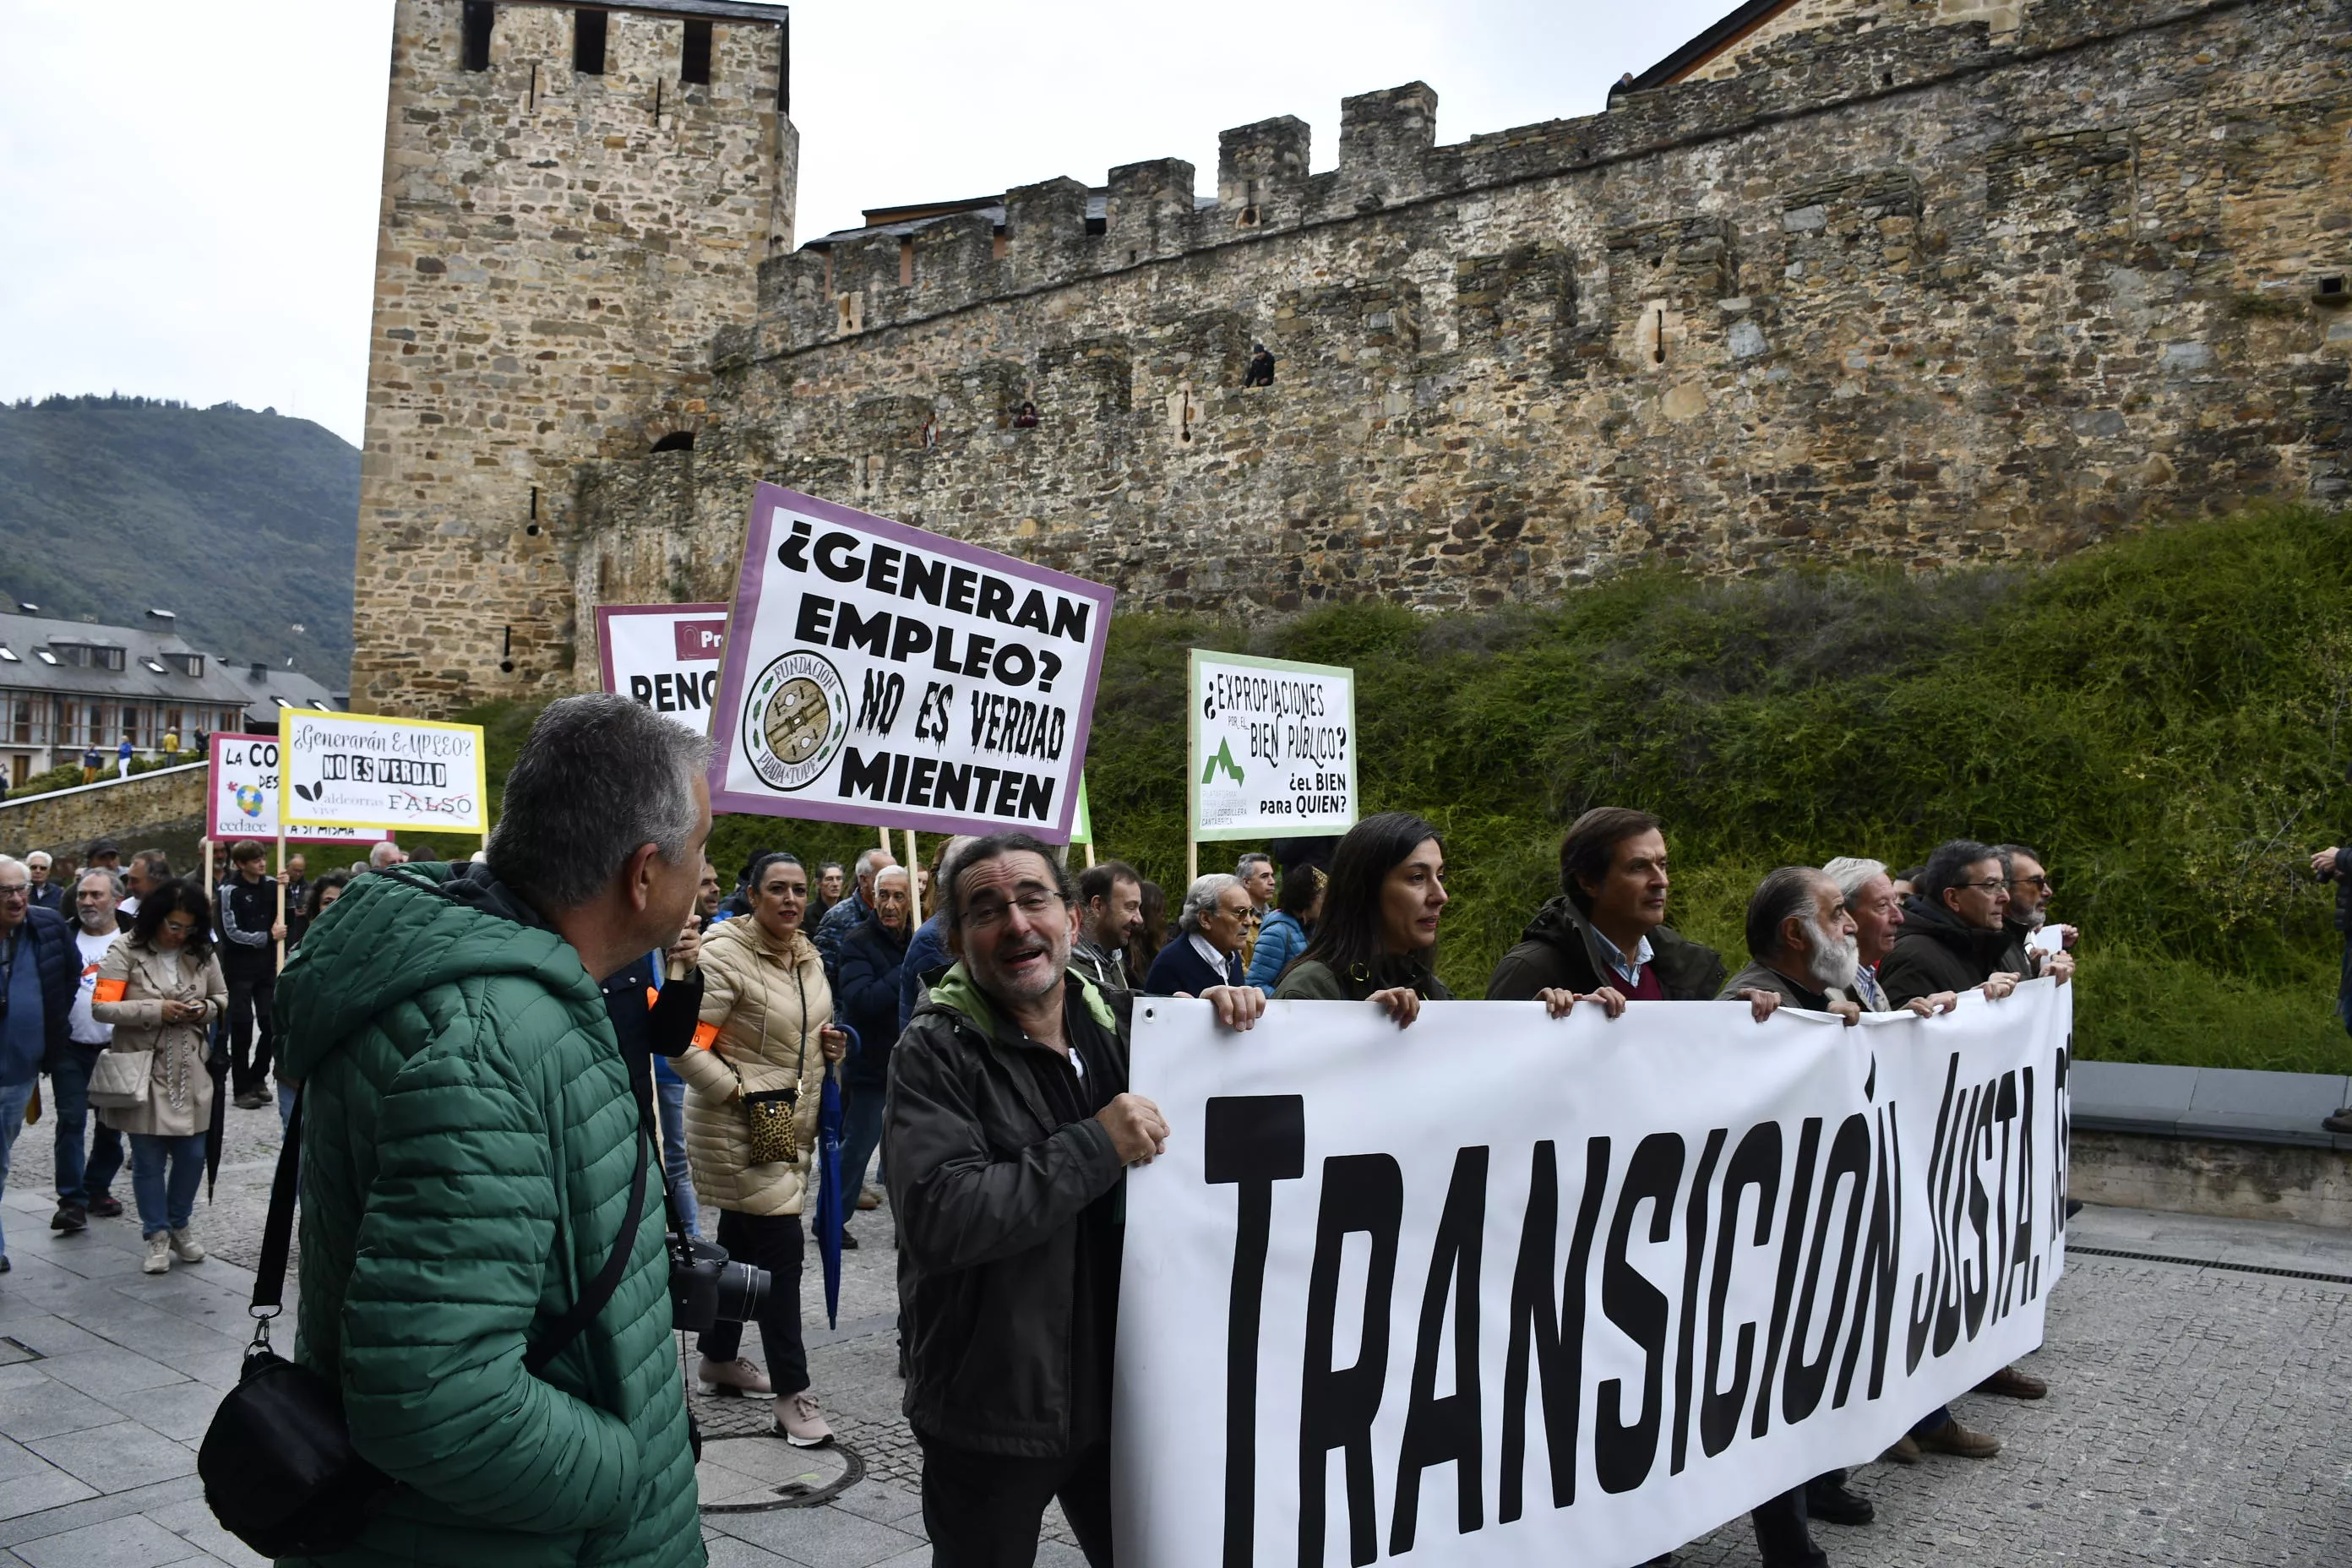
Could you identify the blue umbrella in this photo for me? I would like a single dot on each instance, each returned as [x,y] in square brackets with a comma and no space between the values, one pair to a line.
[828,1196]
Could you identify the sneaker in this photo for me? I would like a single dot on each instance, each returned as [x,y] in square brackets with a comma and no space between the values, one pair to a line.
[2339,1122]
[105,1206]
[1906,1451]
[870,1199]
[799,1423]
[849,1242]
[1953,1438]
[1830,1499]
[70,1217]
[2011,1383]
[732,1379]
[186,1247]
[159,1254]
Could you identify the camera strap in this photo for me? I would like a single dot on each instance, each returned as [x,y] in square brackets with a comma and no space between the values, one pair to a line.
[277,1237]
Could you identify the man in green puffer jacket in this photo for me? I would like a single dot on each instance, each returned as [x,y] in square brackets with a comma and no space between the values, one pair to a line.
[467,1147]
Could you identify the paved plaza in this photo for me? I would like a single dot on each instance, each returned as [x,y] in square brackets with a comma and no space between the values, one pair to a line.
[2196,1415]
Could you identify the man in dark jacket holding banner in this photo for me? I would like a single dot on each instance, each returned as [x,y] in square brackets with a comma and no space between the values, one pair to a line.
[1008,1132]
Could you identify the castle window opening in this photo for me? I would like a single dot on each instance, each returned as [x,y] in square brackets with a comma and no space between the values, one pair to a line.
[480,16]
[997,245]
[675,441]
[1098,225]
[694,55]
[588,41]
[1658,349]
[907,263]
[506,651]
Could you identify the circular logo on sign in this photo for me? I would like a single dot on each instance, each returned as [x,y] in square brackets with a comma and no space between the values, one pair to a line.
[795,720]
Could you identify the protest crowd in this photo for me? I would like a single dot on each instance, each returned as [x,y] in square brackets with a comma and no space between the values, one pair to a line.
[482,1053]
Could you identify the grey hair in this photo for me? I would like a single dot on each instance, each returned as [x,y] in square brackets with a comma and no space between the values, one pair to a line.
[600,777]
[381,855]
[866,862]
[1788,891]
[43,856]
[113,879]
[8,860]
[1852,875]
[1201,898]
[1242,867]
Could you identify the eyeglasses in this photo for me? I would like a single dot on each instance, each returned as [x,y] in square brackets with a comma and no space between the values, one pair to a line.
[1993,885]
[16,890]
[2041,882]
[1033,905]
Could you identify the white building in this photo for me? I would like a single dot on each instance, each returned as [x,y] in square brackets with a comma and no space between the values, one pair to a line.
[67,686]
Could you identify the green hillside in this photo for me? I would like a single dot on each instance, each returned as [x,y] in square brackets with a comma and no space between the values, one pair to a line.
[241,523]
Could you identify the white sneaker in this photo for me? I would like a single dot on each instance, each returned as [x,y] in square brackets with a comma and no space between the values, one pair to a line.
[732,1379]
[186,1247]
[799,1423]
[159,1254]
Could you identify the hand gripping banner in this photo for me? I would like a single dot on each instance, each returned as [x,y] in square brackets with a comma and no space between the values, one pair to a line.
[1504,1289]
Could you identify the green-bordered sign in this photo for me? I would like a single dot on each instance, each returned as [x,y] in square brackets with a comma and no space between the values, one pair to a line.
[1274,747]
[1082,831]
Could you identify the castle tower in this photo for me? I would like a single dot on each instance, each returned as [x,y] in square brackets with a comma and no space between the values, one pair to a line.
[575,200]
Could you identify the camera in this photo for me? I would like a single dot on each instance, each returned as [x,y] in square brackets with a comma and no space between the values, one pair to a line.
[706,1289]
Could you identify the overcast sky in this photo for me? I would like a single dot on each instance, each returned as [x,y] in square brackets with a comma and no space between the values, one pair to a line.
[188,192]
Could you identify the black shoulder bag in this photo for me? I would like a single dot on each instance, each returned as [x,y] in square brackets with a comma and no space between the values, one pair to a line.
[278,1463]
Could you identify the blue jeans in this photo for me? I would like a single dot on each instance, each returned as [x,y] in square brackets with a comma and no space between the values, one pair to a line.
[286,1093]
[166,1203]
[14,1097]
[861,1134]
[671,1098]
[85,1170]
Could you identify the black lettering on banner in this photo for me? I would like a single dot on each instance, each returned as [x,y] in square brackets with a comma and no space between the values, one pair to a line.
[1033,612]
[919,778]
[1801,1390]
[1336,1406]
[641,691]
[910,637]
[2022,1250]
[1755,1163]
[1929,1288]
[1439,1431]
[1979,1211]
[882,569]
[814,625]
[1792,1237]
[1695,1232]
[869,776]
[961,582]
[2005,1113]
[871,633]
[877,709]
[924,576]
[934,718]
[995,598]
[835,559]
[1556,1331]
[1952,1304]
[953,786]
[1882,1253]
[1250,1141]
[794,551]
[1623,1452]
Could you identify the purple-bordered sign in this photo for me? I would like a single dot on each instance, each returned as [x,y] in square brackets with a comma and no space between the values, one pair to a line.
[880,674]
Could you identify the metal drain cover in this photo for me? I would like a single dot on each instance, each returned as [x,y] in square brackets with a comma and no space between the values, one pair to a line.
[748,1474]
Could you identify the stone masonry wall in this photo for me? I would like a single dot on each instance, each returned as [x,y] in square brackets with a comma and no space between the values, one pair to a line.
[1901,294]
[557,250]
[135,812]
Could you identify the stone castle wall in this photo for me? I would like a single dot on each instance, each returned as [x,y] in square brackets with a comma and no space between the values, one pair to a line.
[1896,294]
[558,249]
[165,807]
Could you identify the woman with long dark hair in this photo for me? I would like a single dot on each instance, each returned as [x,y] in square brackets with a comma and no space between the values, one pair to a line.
[1376,939]
[162,989]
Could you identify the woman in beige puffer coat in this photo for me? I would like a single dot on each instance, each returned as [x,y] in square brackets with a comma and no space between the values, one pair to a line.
[160,988]
[766,1025]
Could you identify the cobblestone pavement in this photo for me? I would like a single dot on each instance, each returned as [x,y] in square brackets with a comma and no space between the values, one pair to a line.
[2196,1414]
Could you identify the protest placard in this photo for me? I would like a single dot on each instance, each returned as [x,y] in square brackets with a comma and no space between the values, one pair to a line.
[876,673]
[1274,747]
[1594,1289]
[242,785]
[355,769]
[664,656]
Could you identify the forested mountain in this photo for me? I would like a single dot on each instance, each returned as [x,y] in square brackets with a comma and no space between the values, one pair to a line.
[241,523]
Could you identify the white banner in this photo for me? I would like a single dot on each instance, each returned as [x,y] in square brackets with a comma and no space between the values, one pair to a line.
[243,788]
[878,674]
[1274,747]
[1514,1291]
[664,656]
[355,769]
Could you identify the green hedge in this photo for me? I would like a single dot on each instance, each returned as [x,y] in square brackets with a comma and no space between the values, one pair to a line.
[2167,717]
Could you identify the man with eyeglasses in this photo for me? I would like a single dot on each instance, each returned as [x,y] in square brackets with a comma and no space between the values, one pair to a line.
[2029,912]
[37,985]
[1007,1135]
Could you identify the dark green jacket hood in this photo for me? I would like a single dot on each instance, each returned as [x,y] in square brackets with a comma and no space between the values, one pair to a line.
[399,932]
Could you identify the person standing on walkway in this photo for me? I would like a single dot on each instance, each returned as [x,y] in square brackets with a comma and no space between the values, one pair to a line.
[1009,1131]
[87,1163]
[250,931]
[765,1041]
[160,989]
[871,959]
[469,1142]
[37,987]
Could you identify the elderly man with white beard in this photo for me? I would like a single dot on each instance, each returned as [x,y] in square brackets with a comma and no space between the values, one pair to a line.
[1801,944]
